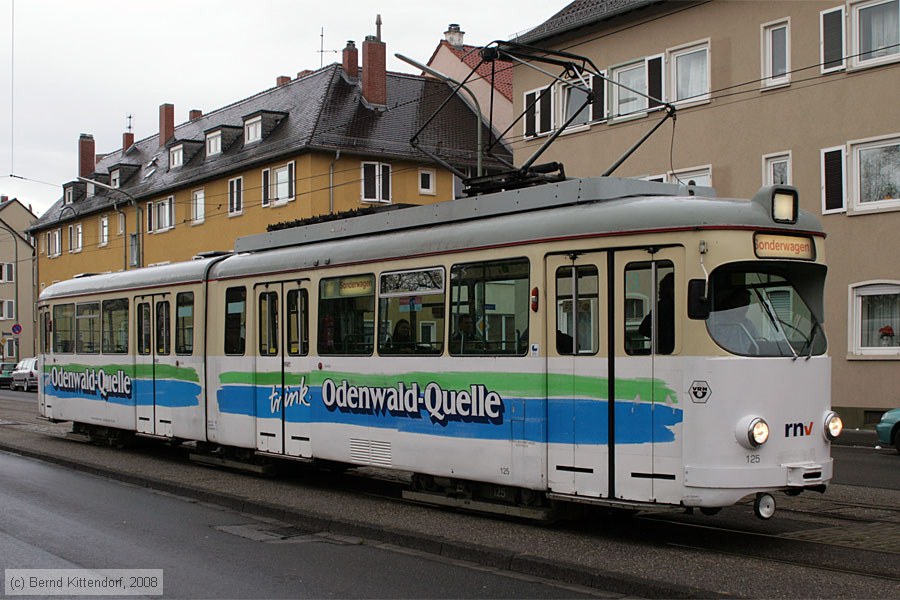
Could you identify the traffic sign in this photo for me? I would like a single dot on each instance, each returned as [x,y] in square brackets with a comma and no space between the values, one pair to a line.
[17,329]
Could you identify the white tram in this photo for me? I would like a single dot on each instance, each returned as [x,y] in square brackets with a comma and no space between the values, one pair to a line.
[604,341]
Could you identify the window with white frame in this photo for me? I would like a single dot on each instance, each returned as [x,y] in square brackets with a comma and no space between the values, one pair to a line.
[776,53]
[10,347]
[121,228]
[176,156]
[633,83]
[68,195]
[235,196]
[427,182]
[875,174]
[7,272]
[103,238]
[54,242]
[539,111]
[253,130]
[875,32]
[198,206]
[75,238]
[701,176]
[689,68]
[278,185]
[574,102]
[115,178]
[875,318]
[214,143]
[376,182]
[777,168]
[7,309]
[831,39]
[161,215]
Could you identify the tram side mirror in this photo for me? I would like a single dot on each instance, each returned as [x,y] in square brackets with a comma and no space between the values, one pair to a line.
[698,301]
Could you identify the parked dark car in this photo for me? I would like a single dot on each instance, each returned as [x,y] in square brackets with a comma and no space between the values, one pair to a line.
[6,371]
[888,428]
[25,376]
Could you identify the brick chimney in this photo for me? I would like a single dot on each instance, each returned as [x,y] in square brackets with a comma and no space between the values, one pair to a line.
[351,60]
[374,76]
[282,80]
[166,123]
[86,157]
[127,141]
[195,114]
[454,36]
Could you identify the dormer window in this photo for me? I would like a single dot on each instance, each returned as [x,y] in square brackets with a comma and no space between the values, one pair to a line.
[69,194]
[115,178]
[176,156]
[253,130]
[214,143]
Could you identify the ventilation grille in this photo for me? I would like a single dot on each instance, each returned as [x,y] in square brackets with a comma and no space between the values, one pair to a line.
[370,452]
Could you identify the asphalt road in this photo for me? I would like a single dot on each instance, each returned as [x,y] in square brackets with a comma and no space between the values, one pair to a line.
[56,518]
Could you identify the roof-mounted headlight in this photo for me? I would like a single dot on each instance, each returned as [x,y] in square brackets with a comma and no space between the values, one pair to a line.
[783,202]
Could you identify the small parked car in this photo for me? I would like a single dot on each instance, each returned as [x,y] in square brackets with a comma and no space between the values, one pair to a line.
[6,371]
[888,428]
[25,376]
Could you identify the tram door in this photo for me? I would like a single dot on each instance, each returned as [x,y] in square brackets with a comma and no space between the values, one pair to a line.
[646,337]
[577,381]
[154,351]
[282,396]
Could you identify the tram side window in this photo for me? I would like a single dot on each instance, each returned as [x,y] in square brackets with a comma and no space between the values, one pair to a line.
[489,305]
[184,323]
[268,324]
[411,312]
[163,327]
[298,322]
[87,328]
[235,320]
[115,326]
[642,314]
[577,287]
[64,328]
[347,315]
[143,329]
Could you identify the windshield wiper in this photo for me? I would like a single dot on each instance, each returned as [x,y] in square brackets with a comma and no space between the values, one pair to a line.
[773,318]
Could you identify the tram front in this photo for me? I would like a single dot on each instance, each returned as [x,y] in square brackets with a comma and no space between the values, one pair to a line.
[760,418]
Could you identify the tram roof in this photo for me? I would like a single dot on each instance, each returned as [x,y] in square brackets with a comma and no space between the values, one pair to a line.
[569,209]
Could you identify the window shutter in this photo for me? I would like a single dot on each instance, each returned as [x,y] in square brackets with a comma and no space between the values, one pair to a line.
[833,179]
[291,181]
[385,183]
[265,187]
[833,39]
[546,111]
[654,82]
[530,115]
[598,106]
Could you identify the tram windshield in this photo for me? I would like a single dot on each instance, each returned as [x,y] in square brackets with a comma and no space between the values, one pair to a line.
[768,309]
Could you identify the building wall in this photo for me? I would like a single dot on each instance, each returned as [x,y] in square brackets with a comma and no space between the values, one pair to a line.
[16,250]
[745,121]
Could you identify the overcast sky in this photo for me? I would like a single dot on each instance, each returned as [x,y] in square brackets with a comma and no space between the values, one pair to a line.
[82,66]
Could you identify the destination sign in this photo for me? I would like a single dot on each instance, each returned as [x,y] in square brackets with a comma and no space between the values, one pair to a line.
[784,246]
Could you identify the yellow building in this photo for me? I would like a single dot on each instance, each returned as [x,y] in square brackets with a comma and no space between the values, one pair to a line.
[330,141]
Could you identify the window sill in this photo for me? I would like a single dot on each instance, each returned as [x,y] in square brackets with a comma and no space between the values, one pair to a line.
[872,63]
[235,214]
[775,85]
[691,102]
[196,223]
[161,230]
[427,193]
[864,357]
[881,206]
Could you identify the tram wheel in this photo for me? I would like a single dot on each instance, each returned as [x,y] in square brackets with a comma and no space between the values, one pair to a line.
[764,506]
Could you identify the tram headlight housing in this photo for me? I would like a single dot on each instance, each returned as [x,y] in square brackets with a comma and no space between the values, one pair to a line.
[752,432]
[833,426]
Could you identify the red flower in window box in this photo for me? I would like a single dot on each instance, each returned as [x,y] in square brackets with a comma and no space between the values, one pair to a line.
[886,331]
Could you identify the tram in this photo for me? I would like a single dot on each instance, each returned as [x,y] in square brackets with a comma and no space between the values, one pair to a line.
[601,341]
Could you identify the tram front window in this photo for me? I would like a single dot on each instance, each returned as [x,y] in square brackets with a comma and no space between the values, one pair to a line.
[761,309]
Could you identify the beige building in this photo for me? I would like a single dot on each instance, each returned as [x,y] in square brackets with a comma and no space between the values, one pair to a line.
[17,315]
[764,92]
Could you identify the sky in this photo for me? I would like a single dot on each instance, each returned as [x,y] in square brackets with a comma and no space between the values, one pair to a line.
[82,66]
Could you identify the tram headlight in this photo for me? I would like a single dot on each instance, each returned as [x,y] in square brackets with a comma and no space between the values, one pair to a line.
[833,426]
[752,432]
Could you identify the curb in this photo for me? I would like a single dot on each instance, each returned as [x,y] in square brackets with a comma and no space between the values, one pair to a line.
[524,564]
